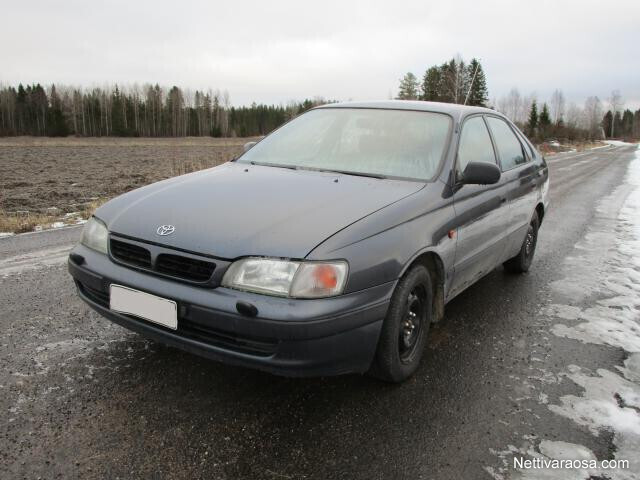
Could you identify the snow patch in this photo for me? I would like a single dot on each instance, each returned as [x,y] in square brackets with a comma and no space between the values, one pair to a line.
[604,275]
[608,268]
[631,369]
[618,143]
[563,311]
[611,255]
[600,146]
[549,450]
[611,403]
[608,402]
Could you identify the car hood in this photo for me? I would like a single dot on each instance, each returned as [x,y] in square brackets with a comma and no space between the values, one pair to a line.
[235,210]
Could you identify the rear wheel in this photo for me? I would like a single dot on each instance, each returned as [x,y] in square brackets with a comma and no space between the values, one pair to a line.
[522,261]
[405,327]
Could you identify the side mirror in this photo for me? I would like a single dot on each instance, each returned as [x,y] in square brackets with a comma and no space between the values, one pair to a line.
[248,145]
[481,173]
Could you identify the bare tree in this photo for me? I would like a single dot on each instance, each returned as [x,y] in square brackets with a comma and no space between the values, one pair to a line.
[574,115]
[593,116]
[511,104]
[557,106]
[615,103]
[226,106]
[135,96]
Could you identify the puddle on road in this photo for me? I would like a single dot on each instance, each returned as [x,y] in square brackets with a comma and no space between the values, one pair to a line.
[606,267]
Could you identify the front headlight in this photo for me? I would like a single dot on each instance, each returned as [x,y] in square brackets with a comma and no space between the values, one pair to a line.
[95,235]
[287,278]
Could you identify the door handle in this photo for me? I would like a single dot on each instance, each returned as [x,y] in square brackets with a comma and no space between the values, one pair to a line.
[503,200]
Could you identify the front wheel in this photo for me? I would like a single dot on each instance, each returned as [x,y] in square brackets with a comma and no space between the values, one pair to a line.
[522,261]
[404,331]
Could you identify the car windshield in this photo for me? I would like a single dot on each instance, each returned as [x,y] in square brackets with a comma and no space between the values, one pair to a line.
[359,141]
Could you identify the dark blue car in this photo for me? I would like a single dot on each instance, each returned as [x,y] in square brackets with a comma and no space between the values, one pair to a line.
[329,246]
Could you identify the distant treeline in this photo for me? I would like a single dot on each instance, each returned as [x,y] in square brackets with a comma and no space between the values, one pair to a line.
[573,122]
[153,111]
[455,81]
[150,111]
[624,124]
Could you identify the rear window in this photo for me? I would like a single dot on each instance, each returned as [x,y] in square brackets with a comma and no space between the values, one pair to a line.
[508,145]
[390,143]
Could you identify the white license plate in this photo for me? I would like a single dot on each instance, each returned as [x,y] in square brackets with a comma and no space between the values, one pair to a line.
[144,305]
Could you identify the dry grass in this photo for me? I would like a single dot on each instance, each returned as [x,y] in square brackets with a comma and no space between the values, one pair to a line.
[24,222]
[589,145]
[181,167]
[91,207]
[546,149]
[21,222]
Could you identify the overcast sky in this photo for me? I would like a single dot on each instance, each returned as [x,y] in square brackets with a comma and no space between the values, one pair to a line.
[275,51]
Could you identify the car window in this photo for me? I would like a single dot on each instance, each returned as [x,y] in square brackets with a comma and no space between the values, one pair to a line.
[508,145]
[525,141]
[475,144]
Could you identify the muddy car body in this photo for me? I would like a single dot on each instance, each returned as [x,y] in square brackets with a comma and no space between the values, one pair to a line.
[327,248]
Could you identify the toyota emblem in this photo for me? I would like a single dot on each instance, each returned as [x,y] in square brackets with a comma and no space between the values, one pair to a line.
[165,230]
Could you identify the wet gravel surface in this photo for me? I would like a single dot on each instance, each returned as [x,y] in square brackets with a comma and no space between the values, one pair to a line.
[83,398]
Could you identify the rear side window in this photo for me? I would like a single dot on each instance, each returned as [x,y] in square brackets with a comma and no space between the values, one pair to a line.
[508,145]
[475,144]
[525,142]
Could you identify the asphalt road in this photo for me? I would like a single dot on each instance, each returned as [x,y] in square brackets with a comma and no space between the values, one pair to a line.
[82,398]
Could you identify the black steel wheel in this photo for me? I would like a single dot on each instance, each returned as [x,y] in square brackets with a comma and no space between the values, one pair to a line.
[405,328]
[522,261]
[412,322]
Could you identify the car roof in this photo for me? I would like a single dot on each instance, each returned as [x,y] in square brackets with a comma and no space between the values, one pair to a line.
[452,109]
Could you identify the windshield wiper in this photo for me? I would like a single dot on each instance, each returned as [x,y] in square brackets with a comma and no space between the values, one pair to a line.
[295,167]
[277,165]
[355,174]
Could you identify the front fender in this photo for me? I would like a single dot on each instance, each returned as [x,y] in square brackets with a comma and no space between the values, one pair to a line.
[381,246]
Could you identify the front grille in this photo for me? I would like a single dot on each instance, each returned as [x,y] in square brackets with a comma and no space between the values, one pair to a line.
[251,346]
[185,267]
[130,253]
[196,330]
[154,258]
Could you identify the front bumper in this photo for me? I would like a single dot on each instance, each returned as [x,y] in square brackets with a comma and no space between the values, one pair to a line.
[289,337]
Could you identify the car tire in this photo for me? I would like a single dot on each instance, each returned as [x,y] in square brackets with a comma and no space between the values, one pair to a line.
[522,261]
[405,327]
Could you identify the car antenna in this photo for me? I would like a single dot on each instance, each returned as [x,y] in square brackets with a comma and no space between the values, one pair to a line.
[472,80]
